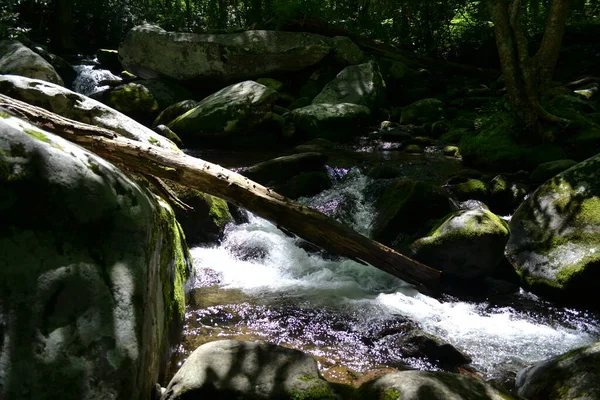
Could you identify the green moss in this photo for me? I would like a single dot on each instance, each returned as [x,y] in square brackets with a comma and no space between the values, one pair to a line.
[390,394]
[94,167]
[219,211]
[154,141]
[37,134]
[319,391]
[4,115]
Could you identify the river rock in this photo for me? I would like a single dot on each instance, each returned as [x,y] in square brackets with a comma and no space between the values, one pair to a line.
[109,59]
[555,236]
[345,51]
[18,59]
[471,189]
[78,107]
[231,111]
[92,273]
[423,111]
[466,244]
[151,52]
[248,370]
[64,69]
[358,84]
[421,385]
[337,122]
[547,170]
[173,111]
[404,206]
[573,375]
[280,169]
[305,184]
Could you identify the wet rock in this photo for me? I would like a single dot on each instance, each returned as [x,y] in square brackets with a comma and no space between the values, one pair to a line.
[573,375]
[545,171]
[280,169]
[248,370]
[92,273]
[337,122]
[451,151]
[305,184]
[414,149]
[231,111]
[472,189]
[467,244]
[133,100]
[358,84]
[317,145]
[173,111]
[163,130]
[555,241]
[420,385]
[422,111]
[423,345]
[18,59]
[109,59]
[151,52]
[75,106]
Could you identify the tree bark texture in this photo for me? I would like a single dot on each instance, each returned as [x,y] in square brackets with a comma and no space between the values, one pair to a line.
[305,222]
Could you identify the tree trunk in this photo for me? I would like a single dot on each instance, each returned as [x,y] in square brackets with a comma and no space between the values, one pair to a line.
[63,18]
[528,77]
[307,223]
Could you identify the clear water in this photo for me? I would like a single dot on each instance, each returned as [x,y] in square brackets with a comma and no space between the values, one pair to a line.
[88,79]
[260,283]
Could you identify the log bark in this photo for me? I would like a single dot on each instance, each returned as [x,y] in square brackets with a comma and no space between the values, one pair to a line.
[303,221]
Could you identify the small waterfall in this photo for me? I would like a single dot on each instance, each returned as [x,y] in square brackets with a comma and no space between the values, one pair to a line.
[88,79]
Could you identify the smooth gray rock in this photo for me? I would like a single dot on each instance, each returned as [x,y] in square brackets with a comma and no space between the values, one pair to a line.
[338,122]
[81,108]
[92,273]
[233,369]
[151,52]
[18,59]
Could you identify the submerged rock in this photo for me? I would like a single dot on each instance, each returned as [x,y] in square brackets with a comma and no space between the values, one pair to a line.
[555,236]
[151,52]
[248,370]
[420,385]
[573,375]
[18,59]
[231,111]
[75,106]
[359,84]
[92,273]
[466,244]
[337,122]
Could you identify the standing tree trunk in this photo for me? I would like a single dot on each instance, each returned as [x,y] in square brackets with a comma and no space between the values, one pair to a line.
[63,32]
[526,76]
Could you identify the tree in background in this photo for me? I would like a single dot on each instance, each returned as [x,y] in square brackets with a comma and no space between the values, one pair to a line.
[528,76]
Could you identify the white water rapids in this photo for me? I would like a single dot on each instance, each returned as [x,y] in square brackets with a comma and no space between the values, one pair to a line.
[340,310]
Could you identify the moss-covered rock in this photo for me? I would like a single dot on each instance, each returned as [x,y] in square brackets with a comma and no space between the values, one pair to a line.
[150,52]
[555,240]
[337,122]
[451,151]
[92,273]
[573,375]
[75,106]
[471,189]
[18,59]
[505,196]
[414,148]
[271,83]
[173,111]
[545,171]
[420,385]
[422,111]
[232,111]
[358,84]
[164,130]
[133,100]
[232,369]
[404,206]
[466,244]
[345,51]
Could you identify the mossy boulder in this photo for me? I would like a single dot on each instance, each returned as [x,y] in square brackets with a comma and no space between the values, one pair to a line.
[173,111]
[545,171]
[573,375]
[358,84]
[92,273]
[18,59]
[280,169]
[164,130]
[233,369]
[451,151]
[133,100]
[422,111]
[337,122]
[555,236]
[232,111]
[505,196]
[414,148]
[151,52]
[421,385]
[404,206]
[345,51]
[471,189]
[466,244]
[75,106]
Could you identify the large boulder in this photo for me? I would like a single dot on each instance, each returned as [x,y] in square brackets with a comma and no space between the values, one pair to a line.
[173,111]
[466,244]
[423,111]
[231,111]
[233,369]
[573,375]
[337,122]
[18,59]
[151,52]
[345,51]
[555,236]
[92,273]
[78,107]
[421,385]
[358,84]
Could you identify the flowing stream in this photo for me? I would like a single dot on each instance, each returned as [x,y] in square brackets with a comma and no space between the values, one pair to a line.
[260,283]
[89,79]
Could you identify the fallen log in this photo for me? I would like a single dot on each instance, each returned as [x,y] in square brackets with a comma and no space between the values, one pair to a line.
[303,221]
